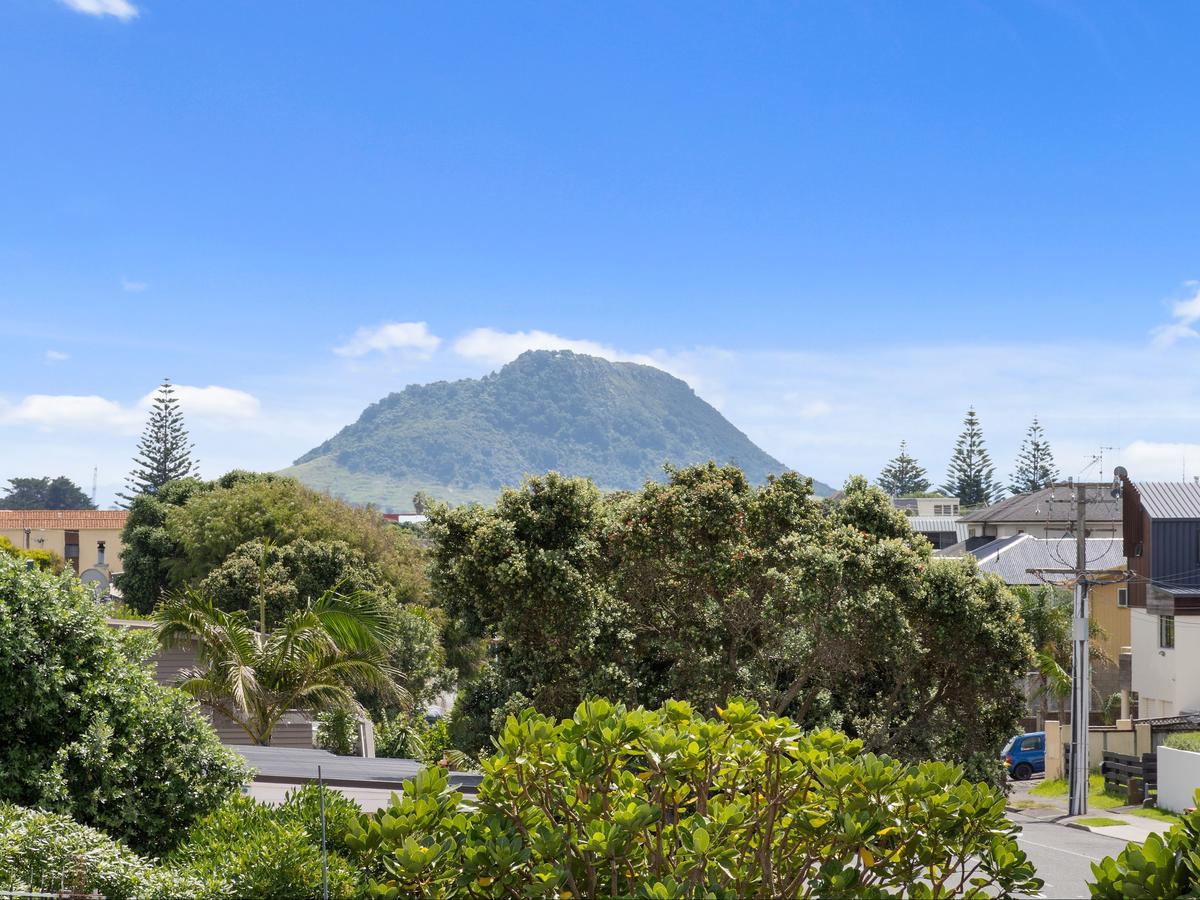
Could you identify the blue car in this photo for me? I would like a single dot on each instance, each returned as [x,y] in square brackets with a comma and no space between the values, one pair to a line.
[1025,755]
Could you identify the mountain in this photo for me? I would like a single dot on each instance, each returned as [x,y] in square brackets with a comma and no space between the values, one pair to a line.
[459,441]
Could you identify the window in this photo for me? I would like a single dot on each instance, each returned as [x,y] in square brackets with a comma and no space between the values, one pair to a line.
[1031,743]
[1122,597]
[1166,632]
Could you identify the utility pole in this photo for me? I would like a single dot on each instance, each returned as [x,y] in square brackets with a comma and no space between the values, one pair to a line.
[1081,663]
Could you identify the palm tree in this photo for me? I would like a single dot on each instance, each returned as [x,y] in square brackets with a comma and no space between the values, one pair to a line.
[313,660]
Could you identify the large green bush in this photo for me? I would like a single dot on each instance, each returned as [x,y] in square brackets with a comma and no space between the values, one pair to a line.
[250,850]
[667,803]
[87,731]
[1184,740]
[1163,868]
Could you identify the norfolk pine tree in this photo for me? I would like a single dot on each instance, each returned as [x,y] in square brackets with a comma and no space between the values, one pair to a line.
[164,452]
[972,477]
[1035,463]
[903,475]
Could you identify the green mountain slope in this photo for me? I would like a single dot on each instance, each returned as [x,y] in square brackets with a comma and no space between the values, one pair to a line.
[616,423]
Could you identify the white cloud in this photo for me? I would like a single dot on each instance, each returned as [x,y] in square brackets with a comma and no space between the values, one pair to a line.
[1151,461]
[120,9]
[413,338]
[1185,313]
[133,287]
[498,347]
[212,403]
[53,411]
[53,356]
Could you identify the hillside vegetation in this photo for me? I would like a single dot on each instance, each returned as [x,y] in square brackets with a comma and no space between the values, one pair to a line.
[616,423]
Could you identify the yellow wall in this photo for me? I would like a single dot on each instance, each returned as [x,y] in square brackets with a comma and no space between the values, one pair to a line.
[55,539]
[1102,602]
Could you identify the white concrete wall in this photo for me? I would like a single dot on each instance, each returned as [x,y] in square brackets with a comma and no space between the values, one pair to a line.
[1154,675]
[1187,663]
[1178,778]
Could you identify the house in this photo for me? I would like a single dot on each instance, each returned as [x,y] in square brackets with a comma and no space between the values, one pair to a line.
[1048,513]
[1017,559]
[1162,542]
[85,538]
[926,506]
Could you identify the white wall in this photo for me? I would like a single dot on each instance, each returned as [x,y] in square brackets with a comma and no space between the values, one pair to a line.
[1154,675]
[1178,779]
[1187,663]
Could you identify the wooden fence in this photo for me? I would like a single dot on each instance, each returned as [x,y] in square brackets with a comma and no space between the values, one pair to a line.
[1118,769]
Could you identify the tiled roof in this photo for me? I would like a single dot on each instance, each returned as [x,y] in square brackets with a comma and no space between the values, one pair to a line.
[1051,505]
[68,519]
[1170,499]
[1012,557]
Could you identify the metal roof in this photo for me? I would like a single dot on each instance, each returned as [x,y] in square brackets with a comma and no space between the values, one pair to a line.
[1169,499]
[300,766]
[1012,557]
[938,525]
[69,519]
[1051,505]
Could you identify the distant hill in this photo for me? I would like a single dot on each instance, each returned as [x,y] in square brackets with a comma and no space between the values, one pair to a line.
[459,441]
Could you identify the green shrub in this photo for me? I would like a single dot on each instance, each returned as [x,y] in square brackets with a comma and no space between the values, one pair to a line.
[1184,740]
[337,731]
[1161,867]
[400,736]
[667,803]
[250,850]
[87,731]
[46,560]
[303,807]
[50,851]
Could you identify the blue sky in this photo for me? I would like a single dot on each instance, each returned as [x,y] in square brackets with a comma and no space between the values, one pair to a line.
[841,222]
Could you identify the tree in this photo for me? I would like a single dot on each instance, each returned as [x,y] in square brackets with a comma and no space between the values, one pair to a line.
[620,802]
[164,452]
[313,660]
[87,731]
[972,477]
[903,475]
[45,493]
[1035,463]
[706,588]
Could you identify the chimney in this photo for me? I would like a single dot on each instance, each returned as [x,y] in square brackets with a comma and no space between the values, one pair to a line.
[99,553]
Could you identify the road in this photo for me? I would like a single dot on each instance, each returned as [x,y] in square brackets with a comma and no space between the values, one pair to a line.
[1063,856]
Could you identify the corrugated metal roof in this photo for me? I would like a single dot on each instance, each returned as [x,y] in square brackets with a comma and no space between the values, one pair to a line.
[1051,505]
[1170,499]
[301,766]
[938,525]
[69,519]
[1012,557]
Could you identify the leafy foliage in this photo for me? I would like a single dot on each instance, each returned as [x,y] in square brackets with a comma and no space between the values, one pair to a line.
[190,529]
[1160,867]
[1184,740]
[972,477]
[1035,462]
[86,730]
[164,453]
[46,560]
[313,660]
[613,422]
[249,849]
[667,803]
[48,851]
[903,475]
[45,493]
[706,587]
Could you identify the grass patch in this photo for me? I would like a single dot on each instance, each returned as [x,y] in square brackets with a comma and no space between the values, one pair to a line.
[1054,787]
[1098,822]
[1097,795]
[1031,804]
[1151,813]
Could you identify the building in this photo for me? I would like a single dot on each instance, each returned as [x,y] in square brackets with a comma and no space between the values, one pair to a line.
[1048,513]
[927,506]
[942,531]
[1023,559]
[85,538]
[1162,541]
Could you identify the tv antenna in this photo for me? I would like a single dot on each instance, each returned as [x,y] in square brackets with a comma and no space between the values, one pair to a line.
[1097,457]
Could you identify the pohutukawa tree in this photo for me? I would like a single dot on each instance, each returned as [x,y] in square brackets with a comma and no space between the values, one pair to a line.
[1035,463]
[165,450]
[903,475]
[972,477]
